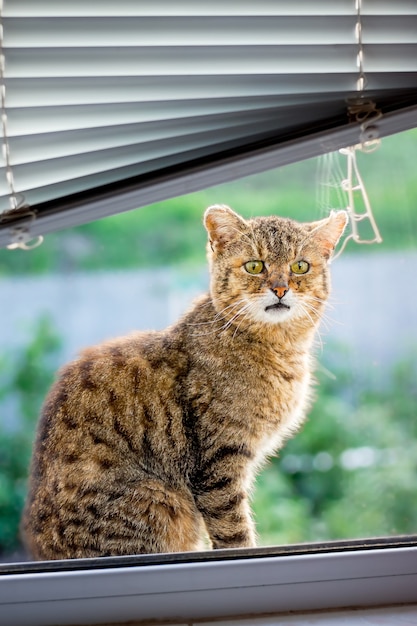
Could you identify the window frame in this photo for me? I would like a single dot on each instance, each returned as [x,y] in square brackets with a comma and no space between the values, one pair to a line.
[215,584]
[210,585]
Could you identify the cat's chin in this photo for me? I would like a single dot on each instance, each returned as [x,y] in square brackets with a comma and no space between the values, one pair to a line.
[276,314]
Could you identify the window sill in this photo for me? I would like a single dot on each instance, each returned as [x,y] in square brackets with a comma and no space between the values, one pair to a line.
[208,586]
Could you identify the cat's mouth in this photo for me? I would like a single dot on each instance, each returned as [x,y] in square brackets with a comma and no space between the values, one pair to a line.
[278,306]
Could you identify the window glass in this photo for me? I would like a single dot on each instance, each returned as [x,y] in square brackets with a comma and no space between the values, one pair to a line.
[350,471]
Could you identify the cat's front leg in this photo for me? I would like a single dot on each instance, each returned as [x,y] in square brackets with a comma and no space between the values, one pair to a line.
[228,520]
[221,497]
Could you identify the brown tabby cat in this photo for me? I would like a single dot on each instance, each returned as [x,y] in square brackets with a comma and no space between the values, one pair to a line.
[148,441]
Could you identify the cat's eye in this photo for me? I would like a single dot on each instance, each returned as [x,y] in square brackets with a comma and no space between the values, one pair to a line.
[254,267]
[300,267]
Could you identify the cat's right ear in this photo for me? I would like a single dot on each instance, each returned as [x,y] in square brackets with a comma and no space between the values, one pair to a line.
[223,226]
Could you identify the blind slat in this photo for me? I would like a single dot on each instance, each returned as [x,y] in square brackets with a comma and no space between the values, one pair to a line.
[46,120]
[269,88]
[198,61]
[160,156]
[214,31]
[235,8]
[174,61]
[99,93]
[187,31]
[47,172]
[143,8]
[34,148]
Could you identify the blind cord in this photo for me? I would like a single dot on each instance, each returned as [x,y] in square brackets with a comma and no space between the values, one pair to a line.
[20,235]
[362,111]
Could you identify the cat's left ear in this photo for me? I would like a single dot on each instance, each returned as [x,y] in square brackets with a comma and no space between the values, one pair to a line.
[223,226]
[328,231]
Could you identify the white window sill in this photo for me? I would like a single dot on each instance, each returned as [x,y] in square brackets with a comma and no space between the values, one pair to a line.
[255,584]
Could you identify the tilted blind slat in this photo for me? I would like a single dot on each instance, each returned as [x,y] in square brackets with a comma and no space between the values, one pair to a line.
[268,88]
[95,180]
[108,165]
[47,172]
[56,119]
[55,145]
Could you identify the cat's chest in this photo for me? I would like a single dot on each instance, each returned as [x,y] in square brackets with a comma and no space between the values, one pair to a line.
[270,406]
[284,411]
[270,388]
[284,388]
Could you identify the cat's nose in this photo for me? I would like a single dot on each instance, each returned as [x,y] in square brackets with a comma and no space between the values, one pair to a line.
[280,290]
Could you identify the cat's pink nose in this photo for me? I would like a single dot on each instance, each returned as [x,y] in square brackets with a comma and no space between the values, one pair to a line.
[280,290]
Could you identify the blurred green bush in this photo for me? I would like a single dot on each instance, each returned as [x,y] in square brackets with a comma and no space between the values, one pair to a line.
[25,375]
[351,471]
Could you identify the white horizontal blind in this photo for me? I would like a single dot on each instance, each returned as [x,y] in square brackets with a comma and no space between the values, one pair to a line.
[99,92]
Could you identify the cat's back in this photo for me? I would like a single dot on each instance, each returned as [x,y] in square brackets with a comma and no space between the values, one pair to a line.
[102,376]
[103,424]
[104,400]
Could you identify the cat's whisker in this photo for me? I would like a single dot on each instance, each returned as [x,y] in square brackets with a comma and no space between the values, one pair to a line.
[233,318]
[231,306]
[331,303]
[313,309]
[241,313]
[328,321]
[326,303]
[307,309]
[221,315]
[311,306]
[251,306]
[304,307]
[236,304]
[325,318]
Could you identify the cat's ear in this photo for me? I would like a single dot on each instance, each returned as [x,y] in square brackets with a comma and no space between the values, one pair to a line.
[327,232]
[223,226]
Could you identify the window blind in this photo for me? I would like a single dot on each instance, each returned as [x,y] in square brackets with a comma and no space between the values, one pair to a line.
[108,106]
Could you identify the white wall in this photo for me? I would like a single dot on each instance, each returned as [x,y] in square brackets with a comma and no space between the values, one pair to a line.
[373,308]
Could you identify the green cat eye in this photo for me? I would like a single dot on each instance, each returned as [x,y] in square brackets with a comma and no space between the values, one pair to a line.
[300,267]
[254,267]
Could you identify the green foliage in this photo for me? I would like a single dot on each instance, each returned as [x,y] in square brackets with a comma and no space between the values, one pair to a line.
[351,471]
[171,231]
[24,379]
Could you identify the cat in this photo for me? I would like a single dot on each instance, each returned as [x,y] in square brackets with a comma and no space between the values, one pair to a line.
[149,442]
